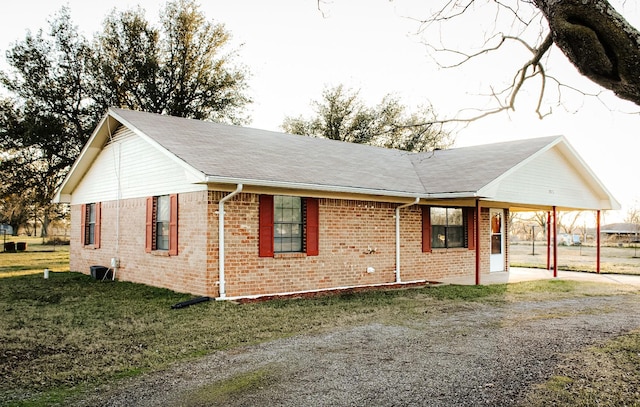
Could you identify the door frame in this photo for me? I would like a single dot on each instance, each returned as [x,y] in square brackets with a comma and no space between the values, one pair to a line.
[496,240]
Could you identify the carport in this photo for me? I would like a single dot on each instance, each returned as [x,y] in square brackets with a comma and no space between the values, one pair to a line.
[553,179]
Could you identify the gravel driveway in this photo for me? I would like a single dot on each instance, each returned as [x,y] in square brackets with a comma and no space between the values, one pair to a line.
[454,355]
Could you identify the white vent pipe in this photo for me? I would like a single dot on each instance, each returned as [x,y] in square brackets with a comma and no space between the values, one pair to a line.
[398,280]
[221,238]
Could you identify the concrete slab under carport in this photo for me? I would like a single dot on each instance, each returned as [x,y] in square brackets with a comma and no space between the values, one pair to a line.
[517,274]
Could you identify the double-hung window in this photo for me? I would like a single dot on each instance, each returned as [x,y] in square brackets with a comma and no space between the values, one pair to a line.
[162,224]
[288,224]
[447,225]
[162,218]
[90,224]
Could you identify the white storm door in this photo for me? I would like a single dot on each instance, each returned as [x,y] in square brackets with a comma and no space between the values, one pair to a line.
[497,240]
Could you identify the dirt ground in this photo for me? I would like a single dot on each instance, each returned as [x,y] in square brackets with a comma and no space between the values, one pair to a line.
[452,354]
[613,259]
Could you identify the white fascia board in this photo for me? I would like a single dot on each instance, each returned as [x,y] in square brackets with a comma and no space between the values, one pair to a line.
[88,153]
[310,187]
[335,188]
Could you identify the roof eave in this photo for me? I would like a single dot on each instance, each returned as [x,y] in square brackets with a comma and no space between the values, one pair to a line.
[310,187]
[88,154]
[337,188]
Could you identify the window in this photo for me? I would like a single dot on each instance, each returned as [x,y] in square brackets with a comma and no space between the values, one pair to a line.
[288,224]
[445,228]
[90,224]
[163,213]
[162,224]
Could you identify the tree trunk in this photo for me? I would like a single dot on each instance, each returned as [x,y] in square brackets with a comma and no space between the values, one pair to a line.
[598,41]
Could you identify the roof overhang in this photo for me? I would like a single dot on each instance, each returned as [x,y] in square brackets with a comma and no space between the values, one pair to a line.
[102,133]
[606,201]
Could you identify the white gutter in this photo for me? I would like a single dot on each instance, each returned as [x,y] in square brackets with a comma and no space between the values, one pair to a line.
[210,179]
[398,236]
[221,238]
[307,186]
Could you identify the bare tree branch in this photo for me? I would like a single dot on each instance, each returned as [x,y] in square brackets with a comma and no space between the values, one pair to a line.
[596,39]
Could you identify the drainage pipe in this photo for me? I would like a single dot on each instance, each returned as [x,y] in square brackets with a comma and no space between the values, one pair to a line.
[398,236]
[221,238]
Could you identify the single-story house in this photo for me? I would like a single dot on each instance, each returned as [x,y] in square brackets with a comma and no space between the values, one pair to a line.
[227,211]
[621,232]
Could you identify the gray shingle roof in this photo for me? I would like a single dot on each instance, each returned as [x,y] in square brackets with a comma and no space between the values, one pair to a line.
[225,151]
[468,169]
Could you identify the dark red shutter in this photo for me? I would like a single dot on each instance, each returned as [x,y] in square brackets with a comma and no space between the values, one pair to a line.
[149,226]
[426,229]
[173,225]
[83,224]
[471,228]
[313,229]
[265,232]
[96,229]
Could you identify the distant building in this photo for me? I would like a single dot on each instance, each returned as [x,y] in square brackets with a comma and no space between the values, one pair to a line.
[621,232]
[6,229]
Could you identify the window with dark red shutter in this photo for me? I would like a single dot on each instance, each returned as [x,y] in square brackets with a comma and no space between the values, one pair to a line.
[90,224]
[161,227]
[471,228]
[149,244]
[83,224]
[265,231]
[312,226]
[97,225]
[447,228]
[173,226]
[288,224]
[426,229]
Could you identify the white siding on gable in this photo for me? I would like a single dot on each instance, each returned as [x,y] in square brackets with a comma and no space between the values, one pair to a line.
[549,179]
[130,167]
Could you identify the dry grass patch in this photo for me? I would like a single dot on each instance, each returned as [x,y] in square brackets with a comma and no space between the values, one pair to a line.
[603,375]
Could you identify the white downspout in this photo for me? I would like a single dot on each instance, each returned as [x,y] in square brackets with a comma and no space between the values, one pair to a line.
[221,238]
[398,236]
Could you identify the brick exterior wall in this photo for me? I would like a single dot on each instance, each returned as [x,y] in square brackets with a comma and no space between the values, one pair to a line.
[186,272]
[354,236]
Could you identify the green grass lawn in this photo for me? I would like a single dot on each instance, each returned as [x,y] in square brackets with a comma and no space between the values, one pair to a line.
[61,335]
[35,259]
[65,334]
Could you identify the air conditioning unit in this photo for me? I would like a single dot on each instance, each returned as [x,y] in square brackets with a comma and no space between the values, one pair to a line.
[101,272]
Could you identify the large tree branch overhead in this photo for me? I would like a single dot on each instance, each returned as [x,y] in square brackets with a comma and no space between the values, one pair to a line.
[602,45]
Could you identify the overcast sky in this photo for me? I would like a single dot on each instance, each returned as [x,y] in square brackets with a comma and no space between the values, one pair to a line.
[294,51]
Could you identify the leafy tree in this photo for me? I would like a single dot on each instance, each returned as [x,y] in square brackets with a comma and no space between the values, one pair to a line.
[180,68]
[14,211]
[592,35]
[341,115]
[48,119]
[60,84]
